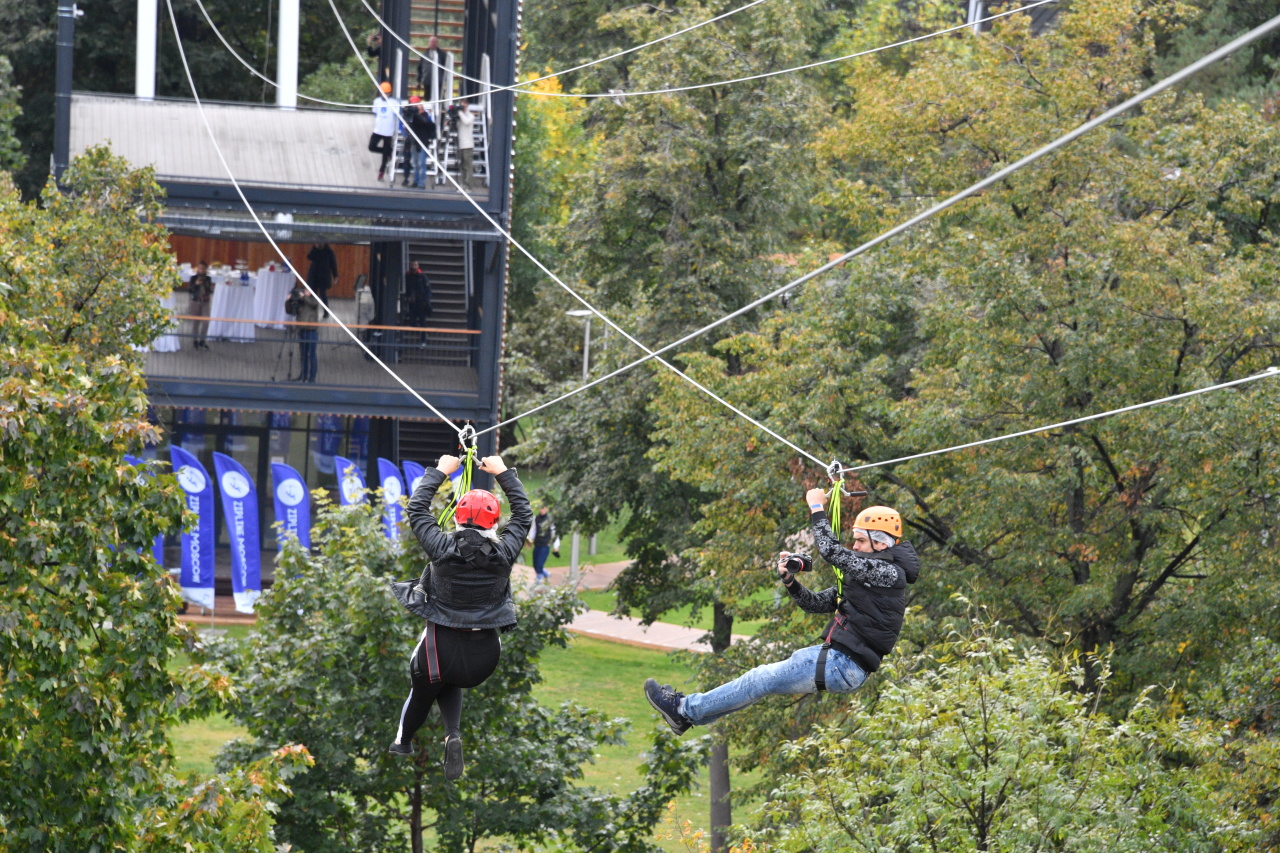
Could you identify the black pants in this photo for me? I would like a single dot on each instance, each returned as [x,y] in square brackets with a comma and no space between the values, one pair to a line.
[446,661]
[381,144]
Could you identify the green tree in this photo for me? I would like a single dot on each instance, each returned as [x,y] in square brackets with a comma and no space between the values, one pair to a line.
[982,746]
[327,665]
[88,622]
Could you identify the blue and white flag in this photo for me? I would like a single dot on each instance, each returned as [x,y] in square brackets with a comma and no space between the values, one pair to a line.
[197,545]
[392,495]
[240,512]
[293,504]
[157,547]
[412,475]
[350,482]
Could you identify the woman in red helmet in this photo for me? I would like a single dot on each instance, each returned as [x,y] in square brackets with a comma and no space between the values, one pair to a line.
[469,600]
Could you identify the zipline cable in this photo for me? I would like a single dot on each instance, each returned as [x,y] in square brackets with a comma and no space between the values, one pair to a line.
[1171,80]
[264,78]
[517,86]
[819,63]
[521,87]
[439,166]
[1266,374]
[212,138]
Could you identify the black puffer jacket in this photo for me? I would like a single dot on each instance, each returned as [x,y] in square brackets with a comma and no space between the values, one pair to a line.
[868,616]
[470,576]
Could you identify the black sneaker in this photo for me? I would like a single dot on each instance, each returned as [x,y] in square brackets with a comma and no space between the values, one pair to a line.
[452,757]
[399,748]
[667,703]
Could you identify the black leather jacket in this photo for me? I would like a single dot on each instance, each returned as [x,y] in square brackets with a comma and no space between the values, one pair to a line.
[870,610]
[470,576]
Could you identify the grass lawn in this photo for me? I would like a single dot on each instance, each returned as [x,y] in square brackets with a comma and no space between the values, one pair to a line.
[605,600]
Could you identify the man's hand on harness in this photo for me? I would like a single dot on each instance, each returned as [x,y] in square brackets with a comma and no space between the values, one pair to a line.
[816,499]
[493,465]
[448,464]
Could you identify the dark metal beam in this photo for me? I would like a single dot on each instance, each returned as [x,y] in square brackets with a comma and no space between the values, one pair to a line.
[231,228]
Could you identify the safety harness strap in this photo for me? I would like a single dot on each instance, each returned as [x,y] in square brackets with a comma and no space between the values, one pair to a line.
[820,671]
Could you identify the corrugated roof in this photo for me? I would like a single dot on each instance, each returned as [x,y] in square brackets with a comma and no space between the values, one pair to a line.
[263,145]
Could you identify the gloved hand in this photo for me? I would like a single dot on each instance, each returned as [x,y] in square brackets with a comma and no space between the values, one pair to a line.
[557,554]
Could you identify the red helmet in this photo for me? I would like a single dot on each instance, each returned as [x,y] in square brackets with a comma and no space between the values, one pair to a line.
[478,508]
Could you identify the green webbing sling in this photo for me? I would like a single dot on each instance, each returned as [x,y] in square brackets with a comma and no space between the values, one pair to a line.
[459,489]
[833,512]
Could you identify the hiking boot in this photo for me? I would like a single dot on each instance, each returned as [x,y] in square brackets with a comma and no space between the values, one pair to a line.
[399,748]
[667,703]
[452,757]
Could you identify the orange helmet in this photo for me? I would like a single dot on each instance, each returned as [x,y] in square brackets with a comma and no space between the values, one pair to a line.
[386,87]
[881,518]
[479,509]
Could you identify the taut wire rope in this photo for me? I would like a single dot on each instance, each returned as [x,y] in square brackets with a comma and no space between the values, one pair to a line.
[264,78]
[212,138]
[1269,373]
[1151,91]
[489,89]
[484,213]
[521,87]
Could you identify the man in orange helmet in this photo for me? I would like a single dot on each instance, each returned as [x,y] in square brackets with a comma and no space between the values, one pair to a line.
[868,600]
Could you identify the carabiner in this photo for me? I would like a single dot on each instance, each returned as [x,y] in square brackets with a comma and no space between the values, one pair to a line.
[467,436]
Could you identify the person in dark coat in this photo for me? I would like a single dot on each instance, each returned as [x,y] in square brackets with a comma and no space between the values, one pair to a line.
[869,602]
[323,272]
[468,600]
[200,286]
[418,288]
[422,136]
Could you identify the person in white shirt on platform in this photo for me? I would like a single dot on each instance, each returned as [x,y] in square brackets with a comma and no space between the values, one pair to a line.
[466,142]
[386,113]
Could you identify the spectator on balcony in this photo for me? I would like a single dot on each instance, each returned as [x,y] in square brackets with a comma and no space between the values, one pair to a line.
[306,310]
[200,286]
[422,135]
[386,115]
[464,121]
[434,70]
[418,288]
[323,272]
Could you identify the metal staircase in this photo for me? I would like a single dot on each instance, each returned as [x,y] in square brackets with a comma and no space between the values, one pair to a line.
[444,19]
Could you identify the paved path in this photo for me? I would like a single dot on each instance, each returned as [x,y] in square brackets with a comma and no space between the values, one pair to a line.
[593,623]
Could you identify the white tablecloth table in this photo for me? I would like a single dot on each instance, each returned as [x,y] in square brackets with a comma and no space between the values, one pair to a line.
[168,342]
[271,292]
[232,301]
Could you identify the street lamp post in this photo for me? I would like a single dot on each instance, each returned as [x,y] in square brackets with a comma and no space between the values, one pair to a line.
[586,372]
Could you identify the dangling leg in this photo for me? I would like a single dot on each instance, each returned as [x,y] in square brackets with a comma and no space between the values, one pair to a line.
[450,701]
[424,692]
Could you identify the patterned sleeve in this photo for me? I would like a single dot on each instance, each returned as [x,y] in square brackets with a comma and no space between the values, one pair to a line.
[812,602]
[870,572]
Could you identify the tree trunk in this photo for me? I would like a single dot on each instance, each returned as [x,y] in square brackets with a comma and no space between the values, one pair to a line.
[721,809]
[415,816]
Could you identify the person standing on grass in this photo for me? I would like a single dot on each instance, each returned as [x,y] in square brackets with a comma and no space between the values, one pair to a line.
[468,600]
[869,603]
[543,538]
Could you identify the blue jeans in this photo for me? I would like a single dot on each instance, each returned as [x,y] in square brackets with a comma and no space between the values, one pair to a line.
[307,350]
[785,678]
[420,167]
[540,553]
